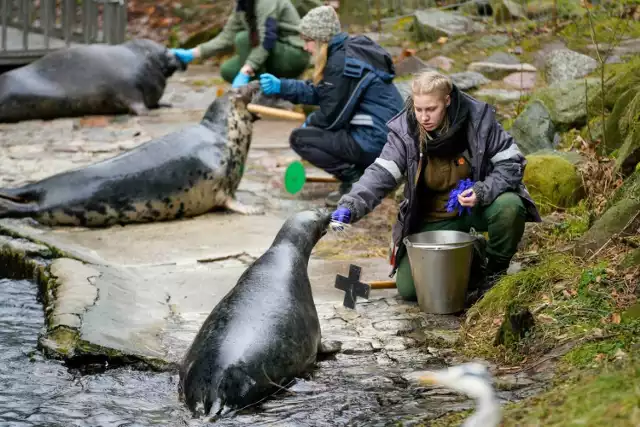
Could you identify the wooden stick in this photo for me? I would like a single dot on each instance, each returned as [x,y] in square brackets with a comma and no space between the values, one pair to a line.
[383,284]
[276,112]
[321,179]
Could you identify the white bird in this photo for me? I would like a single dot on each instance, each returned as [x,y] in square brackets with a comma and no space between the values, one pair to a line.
[473,380]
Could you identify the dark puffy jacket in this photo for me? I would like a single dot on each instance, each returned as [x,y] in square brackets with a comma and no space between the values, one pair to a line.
[356,93]
[496,162]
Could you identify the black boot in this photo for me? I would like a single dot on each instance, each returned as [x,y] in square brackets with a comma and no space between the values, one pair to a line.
[347,179]
[492,273]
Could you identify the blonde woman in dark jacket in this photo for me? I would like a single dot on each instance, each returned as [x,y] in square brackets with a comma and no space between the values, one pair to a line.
[442,137]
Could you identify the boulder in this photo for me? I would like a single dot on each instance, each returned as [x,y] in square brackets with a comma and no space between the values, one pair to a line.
[508,10]
[620,217]
[441,62]
[498,96]
[622,130]
[411,65]
[431,24]
[553,181]
[503,58]
[469,79]
[521,80]
[496,71]
[566,101]
[565,64]
[533,129]
[491,40]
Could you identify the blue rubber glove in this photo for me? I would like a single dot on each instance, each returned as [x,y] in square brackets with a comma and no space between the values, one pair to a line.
[342,215]
[453,204]
[240,80]
[269,84]
[304,125]
[184,55]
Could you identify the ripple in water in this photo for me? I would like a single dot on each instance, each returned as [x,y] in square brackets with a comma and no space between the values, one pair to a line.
[35,391]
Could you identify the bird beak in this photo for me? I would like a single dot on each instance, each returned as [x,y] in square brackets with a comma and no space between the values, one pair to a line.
[422,377]
[427,379]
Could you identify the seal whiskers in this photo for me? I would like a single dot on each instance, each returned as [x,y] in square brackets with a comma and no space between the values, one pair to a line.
[265,332]
[183,174]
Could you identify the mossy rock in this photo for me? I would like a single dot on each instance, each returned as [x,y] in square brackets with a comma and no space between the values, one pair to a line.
[553,181]
[533,129]
[621,215]
[516,324]
[619,78]
[567,101]
[622,130]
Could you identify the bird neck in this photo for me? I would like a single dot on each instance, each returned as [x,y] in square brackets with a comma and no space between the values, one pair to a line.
[488,413]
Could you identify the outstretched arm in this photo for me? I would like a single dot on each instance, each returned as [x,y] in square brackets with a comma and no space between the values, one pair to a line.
[382,176]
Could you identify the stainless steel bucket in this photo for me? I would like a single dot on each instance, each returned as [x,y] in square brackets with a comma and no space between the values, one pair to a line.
[440,264]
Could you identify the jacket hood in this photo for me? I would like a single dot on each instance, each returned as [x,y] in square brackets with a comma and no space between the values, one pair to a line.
[361,51]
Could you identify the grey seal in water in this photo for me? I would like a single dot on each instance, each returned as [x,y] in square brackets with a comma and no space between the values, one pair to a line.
[95,79]
[183,174]
[264,332]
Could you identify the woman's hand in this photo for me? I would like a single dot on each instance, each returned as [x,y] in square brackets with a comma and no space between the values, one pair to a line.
[246,69]
[468,198]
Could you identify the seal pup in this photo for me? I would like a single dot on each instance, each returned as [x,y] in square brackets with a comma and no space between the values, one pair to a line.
[264,332]
[95,79]
[182,174]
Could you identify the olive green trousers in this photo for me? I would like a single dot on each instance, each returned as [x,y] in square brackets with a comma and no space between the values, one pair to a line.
[284,61]
[504,220]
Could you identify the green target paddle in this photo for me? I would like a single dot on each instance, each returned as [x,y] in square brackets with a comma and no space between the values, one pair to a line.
[295,177]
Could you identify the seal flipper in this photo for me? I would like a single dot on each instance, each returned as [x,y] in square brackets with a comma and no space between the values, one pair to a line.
[12,209]
[138,108]
[238,207]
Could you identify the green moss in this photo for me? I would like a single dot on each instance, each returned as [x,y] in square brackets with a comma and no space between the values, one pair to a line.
[620,123]
[553,182]
[576,222]
[60,342]
[592,399]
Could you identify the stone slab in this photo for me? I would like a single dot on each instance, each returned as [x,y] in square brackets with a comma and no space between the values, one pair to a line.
[155,311]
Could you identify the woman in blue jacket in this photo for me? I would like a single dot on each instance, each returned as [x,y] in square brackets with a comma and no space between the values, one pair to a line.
[353,87]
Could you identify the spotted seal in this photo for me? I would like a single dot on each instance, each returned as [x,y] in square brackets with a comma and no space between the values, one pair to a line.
[95,79]
[264,332]
[182,174]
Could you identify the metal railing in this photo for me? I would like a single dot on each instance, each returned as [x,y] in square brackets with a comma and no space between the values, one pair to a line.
[30,29]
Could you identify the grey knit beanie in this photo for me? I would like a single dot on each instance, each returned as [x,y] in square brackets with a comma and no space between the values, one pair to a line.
[320,23]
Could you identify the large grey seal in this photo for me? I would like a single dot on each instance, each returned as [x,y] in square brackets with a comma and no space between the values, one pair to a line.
[89,80]
[182,174]
[264,332]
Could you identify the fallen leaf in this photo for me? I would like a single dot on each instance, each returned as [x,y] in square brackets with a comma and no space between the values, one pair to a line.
[497,321]
[599,357]
[443,40]
[615,318]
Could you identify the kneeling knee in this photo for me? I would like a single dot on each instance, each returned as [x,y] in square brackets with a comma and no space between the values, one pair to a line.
[510,208]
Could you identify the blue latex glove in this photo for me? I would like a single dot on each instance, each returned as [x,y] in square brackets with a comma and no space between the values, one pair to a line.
[184,55]
[342,215]
[453,204]
[240,80]
[269,84]
[304,125]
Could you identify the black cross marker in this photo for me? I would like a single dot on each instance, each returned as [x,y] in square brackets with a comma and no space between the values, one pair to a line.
[352,286]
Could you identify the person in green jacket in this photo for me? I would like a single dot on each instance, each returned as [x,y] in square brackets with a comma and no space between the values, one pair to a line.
[266,40]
